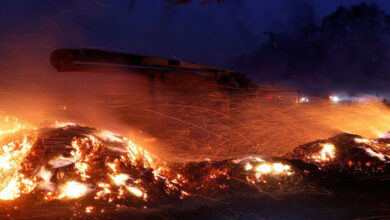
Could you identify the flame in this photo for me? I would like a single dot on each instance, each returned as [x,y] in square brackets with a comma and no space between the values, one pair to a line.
[280,168]
[273,168]
[73,190]
[89,209]
[135,191]
[18,186]
[327,153]
[12,155]
[372,153]
[362,140]
[120,179]
[248,166]
[264,168]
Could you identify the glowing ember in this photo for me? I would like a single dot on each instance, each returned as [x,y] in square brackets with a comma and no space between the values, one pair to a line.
[89,209]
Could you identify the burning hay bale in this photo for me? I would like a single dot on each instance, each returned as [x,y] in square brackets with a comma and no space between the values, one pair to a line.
[89,171]
[345,157]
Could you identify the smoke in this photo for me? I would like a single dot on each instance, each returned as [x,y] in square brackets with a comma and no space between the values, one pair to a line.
[179,119]
[301,14]
[346,52]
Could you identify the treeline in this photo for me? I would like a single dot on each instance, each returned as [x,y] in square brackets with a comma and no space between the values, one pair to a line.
[348,50]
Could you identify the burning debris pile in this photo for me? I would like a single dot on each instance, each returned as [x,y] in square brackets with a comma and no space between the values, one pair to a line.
[345,157]
[73,161]
[98,172]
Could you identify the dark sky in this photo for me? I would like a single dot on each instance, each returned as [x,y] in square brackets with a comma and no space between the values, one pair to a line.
[211,34]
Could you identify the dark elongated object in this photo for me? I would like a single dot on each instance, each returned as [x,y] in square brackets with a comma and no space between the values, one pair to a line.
[80,60]
[95,61]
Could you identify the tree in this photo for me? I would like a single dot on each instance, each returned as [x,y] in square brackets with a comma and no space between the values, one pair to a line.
[350,48]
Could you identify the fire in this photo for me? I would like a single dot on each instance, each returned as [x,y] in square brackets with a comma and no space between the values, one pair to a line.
[264,168]
[372,153]
[18,186]
[73,190]
[280,168]
[362,140]
[373,148]
[248,166]
[89,209]
[12,155]
[120,179]
[105,168]
[135,191]
[327,153]
[273,168]
[259,170]
[12,125]
[81,159]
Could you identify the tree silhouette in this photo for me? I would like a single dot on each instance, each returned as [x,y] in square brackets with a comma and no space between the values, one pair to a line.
[347,49]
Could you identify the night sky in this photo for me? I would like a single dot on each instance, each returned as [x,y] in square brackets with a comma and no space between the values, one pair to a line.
[213,34]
